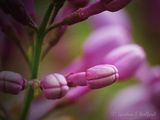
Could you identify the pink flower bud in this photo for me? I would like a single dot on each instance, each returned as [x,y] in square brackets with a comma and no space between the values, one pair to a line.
[54,86]
[95,77]
[11,82]
[102,41]
[75,79]
[115,5]
[16,9]
[132,103]
[127,59]
[80,3]
[101,75]
[107,18]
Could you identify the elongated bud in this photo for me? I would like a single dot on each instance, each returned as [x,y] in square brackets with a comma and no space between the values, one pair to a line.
[11,82]
[17,9]
[101,76]
[106,18]
[93,9]
[132,103]
[127,59]
[54,86]
[95,77]
[102,41]
[79,3]
[115,5]
[30,7]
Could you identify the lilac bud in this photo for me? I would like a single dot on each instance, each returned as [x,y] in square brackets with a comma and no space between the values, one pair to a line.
[132,103]
[93,9]
[79,3]
[101,75]
[77,79]
[30,7]
[54,86]
[17,9]
[115,5]
[11,82]
[127,59]
[107,18]
[102,41]
[95,77]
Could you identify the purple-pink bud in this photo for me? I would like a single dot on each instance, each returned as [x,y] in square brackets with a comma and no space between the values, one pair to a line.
[115,5]
[17,10]
[102,41]
[101,75]
[95,77]
[11,82]
[79,3]
[93,9]
[54,86]
[77,79]
[107,18]
[127,59]
[132,103]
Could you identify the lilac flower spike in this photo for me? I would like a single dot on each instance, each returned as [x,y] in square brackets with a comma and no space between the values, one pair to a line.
[95,77]
[127,59]
[54,86]
[11,82]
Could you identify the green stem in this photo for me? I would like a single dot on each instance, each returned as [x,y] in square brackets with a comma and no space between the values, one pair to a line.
[36,61]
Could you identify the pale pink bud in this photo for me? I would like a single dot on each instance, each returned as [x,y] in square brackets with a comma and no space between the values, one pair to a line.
[102,41]
[127,59]
[11,82]
[95,77]
[54,86]
[101,75]
[75,79]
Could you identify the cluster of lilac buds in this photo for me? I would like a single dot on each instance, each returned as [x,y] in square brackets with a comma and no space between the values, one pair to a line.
[95,77]
[56,85]
[108,54]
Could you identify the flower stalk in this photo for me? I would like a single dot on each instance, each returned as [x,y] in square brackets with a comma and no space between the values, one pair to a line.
[36,61]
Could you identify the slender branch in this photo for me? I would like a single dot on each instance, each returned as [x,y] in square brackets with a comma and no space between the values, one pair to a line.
[36,61]
[59,33]
[58,6]
[59,24]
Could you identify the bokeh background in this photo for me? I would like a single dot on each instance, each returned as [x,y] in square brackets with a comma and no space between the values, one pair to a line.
[93,106]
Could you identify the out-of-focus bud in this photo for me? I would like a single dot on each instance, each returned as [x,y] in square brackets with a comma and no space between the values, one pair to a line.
[127,59]
[106,18]
[11,82]
[93,9]
[30,7]
[115,5]
[54,86]
[101,75]
[17,9]
[95,77]
[77,79]
[153,83]
[102,41]
[132,104]
[79,3]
